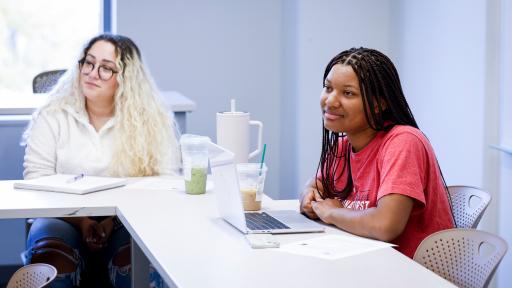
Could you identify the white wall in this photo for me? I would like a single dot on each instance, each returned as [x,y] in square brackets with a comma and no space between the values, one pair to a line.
[442,66]
[504,277]
[503,211]
[212,51]
[325,28]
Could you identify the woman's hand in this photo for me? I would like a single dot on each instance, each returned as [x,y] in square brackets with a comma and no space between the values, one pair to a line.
[107,227]
[324,208]
[92,234]
[310,194]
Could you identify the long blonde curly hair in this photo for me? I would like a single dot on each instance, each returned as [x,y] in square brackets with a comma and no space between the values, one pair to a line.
[146,135]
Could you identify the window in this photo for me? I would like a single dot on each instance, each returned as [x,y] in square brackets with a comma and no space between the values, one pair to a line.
[40,35]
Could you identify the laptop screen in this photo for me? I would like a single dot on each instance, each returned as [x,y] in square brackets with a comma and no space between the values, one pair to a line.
[225,179]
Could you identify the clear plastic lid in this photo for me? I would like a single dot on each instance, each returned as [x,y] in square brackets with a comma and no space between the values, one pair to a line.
[250,167]
[194,142]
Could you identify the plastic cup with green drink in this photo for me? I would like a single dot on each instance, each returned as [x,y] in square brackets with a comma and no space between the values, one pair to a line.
[194,151]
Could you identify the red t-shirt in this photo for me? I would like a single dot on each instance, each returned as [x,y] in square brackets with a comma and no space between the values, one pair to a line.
[400,161]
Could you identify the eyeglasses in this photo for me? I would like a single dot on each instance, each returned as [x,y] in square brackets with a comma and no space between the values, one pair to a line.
[104,72]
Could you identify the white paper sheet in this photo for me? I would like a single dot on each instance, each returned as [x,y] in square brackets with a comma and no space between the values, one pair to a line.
[333,247]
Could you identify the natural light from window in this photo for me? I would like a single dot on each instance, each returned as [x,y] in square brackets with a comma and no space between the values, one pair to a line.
[41,35]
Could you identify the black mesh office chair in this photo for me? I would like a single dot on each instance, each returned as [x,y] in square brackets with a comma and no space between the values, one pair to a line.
[44,81]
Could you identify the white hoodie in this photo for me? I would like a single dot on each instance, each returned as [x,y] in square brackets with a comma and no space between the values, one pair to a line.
[63,141]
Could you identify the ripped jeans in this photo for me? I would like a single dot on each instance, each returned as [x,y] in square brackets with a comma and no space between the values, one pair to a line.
[53,228]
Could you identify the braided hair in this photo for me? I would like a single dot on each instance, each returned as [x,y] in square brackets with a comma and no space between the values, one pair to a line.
[380,88]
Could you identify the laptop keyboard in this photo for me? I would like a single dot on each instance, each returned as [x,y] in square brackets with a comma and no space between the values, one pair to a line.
[263,221]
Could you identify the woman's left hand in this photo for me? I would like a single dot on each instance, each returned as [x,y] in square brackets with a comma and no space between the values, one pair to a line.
[107,226]
[324,208]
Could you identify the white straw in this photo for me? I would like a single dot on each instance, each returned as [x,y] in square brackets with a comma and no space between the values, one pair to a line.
[233,105]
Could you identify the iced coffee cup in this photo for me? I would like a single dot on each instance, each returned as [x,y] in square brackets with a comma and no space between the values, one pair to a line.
[251,180]
[194,152]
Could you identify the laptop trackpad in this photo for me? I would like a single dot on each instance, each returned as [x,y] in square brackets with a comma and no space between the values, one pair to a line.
[292,218]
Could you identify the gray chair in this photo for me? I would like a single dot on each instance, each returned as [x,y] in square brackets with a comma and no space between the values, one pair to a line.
[44,81]
[468,204]
[33,276]
[465,257]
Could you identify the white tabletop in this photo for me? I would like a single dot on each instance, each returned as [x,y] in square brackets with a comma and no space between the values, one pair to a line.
[183,236]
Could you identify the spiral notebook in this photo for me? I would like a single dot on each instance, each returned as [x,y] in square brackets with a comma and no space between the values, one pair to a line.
[74,184]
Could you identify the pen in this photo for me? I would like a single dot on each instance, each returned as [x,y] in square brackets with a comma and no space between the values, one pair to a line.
[75,178]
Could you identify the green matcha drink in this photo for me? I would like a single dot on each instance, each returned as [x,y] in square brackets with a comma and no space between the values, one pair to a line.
[194,149]
[197,183]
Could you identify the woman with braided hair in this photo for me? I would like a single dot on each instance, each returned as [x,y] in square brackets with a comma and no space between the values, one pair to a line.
[378,176]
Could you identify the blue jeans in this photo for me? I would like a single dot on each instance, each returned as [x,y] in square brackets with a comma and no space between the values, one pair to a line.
[155,280]
[48,228]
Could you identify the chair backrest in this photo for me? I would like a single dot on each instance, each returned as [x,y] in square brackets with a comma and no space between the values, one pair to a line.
[33,276]
[44,81]
[468,204]
[465,257]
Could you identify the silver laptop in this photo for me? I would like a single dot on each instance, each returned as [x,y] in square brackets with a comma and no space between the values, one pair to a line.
[229,202]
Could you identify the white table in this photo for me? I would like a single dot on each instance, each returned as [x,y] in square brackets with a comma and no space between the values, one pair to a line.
[190,246]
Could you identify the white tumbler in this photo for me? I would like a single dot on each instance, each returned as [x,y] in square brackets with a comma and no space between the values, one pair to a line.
[233,133]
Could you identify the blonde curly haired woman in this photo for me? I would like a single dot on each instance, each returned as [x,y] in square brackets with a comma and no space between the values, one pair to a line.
[104,117]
